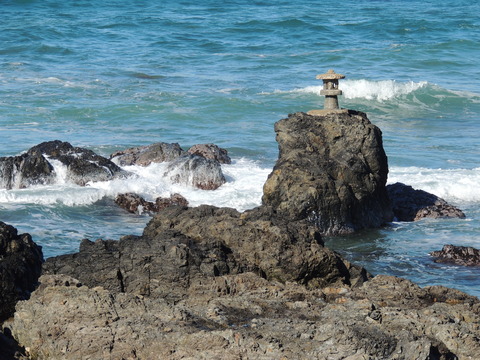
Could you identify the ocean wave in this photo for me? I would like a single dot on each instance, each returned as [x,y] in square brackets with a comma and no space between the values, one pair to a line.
[459,186]
[385,90]
[370,90]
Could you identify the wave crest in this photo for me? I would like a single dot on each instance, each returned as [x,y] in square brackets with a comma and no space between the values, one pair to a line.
[370,90]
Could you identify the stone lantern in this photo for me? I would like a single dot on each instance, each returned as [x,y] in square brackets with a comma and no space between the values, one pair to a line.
[330,91]
[330,88]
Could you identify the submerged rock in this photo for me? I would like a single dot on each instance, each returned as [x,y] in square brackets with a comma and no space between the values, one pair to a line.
[136,204]
[412,205]
[211,151]
[20,267]
[331,170]
[460,255]
[145,155]
[196,171]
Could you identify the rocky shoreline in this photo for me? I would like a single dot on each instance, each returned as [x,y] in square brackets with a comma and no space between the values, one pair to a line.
[215,283]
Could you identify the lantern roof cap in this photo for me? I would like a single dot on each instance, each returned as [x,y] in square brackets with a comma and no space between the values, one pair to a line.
[330,75]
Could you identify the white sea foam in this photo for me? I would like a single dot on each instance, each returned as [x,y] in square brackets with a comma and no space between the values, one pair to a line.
[243,190]
[456,185]
[369,90]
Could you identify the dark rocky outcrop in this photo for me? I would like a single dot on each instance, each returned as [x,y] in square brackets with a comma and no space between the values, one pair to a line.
[145,155]
[331,170]
[182,245]
[20,267]
[83,165]
[196,171]
[136,204]
[19,172]
[411,205]
[211,151]
[459,255]
[35,166]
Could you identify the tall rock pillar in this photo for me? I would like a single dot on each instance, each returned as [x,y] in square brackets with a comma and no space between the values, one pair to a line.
[332,170]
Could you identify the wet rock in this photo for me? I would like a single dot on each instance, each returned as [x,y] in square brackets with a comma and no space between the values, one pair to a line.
[136,204]
[412,205]
[20,267]
[145,155]
[196,171]
[460,255]
[331,170]
[83,165]
[211,151]
[19,172]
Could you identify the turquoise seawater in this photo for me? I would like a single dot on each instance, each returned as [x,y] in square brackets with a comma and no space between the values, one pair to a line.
[114,74]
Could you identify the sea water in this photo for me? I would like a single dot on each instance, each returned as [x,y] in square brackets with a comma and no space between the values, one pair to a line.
[108,75]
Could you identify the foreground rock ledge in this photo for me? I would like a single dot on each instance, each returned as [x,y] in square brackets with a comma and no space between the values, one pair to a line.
[244,316]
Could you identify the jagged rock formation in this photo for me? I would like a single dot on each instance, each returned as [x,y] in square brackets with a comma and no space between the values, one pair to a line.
[460,255]
[181,246]
[412,205]
[196,171]
[245,316]
[136,204]
[331,170]
[20,267]
[145,155]
[211,151]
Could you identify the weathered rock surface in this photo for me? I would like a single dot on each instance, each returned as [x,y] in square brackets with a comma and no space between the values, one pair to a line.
[136,204]
[211,151]
[460,255]
[182,245]
[411,205]
[331,170]
[20,267]
[145,155]
[196,171]
[247,317]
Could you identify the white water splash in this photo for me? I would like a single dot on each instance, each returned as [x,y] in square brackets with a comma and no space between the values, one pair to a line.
[455,185]
[243,190]
[369,90]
